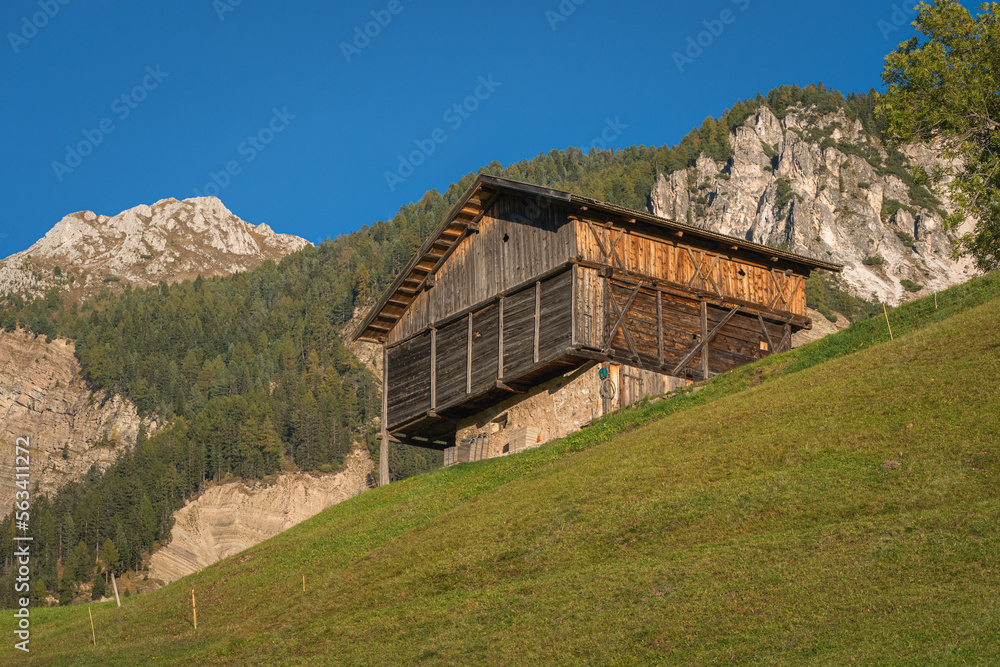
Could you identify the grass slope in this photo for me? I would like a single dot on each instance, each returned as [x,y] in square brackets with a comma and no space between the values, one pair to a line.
[754,525]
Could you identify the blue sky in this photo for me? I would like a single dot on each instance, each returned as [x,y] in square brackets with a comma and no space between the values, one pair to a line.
[108,104]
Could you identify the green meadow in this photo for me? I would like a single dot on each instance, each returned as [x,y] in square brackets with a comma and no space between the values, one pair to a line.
[838,504]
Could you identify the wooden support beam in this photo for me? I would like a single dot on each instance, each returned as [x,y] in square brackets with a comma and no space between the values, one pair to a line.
[697,267]
[786,340]
[538,317]
[383,452]
[434,414]
[659,326]
[433,369]
[780,295]
[701,273]
[600,243]
[619,324]
[706,339]
[614,249]
[500,340]
[572,306]
[468,360]
[506,387]
[767,336]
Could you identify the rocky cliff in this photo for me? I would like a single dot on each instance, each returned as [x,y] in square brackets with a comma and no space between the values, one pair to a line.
[169,241]
[41,393]
[231,517]
[43,398]
[820,185]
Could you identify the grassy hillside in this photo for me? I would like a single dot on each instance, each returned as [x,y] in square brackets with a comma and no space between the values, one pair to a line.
[759,520]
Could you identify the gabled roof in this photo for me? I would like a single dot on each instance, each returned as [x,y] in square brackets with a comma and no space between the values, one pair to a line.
[476,202]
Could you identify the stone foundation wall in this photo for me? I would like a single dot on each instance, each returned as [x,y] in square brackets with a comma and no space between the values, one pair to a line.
[550,411]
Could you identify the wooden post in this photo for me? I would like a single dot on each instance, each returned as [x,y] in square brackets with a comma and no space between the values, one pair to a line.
[468,360]
[92,632]
[572,313]
[538,316]
[704,339]
[500,343]
[606,308]
[433,369]
[303,583]
[194,610]
[383,452]
[659,325]
[887,323]
[115,587]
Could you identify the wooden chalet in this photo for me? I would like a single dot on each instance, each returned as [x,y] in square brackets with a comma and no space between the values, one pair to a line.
[520,284]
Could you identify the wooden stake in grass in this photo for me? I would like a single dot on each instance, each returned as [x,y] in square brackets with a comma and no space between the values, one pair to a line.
[303,583]
[887,322]
[92,633]
[115,586]
[194,610]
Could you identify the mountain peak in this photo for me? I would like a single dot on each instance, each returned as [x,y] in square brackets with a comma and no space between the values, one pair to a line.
[170,240]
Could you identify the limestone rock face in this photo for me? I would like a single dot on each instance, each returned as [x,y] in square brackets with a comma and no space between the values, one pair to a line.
[169,241]
[790,184]
[43,399]
[234,516]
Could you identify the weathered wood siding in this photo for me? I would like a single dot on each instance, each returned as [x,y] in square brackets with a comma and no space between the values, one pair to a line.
[675,321]
[518,332]
[452,353]
[737,343]
[677,262]
[409,379]
[459,377]
[517,240]
[555,326]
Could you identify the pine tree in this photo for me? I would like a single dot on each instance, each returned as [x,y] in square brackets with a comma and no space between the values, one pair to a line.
[109,556]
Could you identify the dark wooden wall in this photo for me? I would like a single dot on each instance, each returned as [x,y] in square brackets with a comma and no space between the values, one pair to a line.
[518,239]
[409,379]
[466,354]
